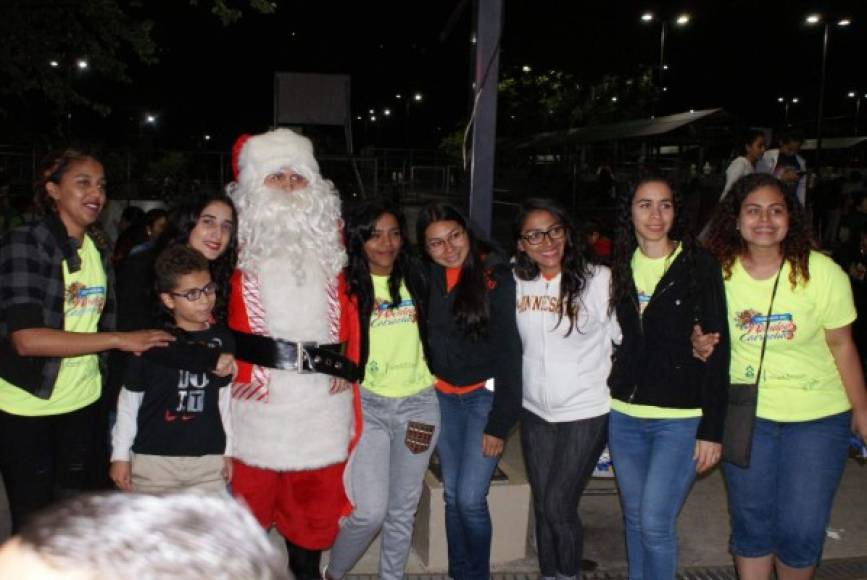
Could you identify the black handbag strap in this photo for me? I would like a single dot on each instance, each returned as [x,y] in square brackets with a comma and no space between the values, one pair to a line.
[768,322]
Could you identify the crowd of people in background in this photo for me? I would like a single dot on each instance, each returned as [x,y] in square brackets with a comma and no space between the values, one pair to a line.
[582,339]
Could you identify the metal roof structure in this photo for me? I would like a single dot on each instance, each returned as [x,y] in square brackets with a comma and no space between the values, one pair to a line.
[635,129]
[833,143]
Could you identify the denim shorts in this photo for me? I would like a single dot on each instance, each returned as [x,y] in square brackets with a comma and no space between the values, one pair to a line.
[781,504]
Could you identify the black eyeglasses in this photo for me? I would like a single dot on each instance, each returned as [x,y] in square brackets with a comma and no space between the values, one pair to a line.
[208,289]
[536,237]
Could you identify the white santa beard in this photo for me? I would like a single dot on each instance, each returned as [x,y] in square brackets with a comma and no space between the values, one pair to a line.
[296,227]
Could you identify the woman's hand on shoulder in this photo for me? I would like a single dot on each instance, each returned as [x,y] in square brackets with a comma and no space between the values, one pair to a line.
[139,341]
[703,344]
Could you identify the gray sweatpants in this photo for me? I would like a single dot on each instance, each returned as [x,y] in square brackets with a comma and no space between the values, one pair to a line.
[384,482]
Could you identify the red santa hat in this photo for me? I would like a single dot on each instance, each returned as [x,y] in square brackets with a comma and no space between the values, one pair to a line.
[257,156]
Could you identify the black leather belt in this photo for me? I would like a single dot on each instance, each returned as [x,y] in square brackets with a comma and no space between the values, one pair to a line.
[302,357]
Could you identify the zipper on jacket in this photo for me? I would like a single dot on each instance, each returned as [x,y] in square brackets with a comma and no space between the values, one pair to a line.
[641,323]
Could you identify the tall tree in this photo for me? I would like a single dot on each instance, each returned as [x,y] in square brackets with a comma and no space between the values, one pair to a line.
[533,102]
[49,44]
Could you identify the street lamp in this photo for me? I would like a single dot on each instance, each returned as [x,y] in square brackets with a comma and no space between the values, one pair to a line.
[417,97]
[150,119]
[526,68]
[69,68]
[857,96]
[681,20]
[787,102]
[813,20]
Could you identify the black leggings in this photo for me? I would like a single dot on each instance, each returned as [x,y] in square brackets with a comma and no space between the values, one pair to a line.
[45,459]
[560,459]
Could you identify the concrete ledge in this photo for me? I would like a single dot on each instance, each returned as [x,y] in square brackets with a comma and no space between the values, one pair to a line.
[509,503]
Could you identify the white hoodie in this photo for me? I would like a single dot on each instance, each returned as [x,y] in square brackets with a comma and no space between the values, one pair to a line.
[565,377]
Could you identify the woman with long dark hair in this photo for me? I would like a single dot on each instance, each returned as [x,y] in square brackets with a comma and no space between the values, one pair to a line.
[56,315]
[385,296]
[475,353]
[667,408]
[568,330]
[750,148]
[811,388]
[206,222]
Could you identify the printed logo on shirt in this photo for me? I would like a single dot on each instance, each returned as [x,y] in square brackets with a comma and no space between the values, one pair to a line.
[191,395]
[538,303]
[382,315]
[781,326]
[643,300]
[83,300]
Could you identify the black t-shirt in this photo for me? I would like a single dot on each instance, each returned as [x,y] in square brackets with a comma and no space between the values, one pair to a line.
[180,413]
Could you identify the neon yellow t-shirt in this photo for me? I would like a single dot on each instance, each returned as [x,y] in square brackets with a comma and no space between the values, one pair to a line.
[78,382]
[646,273]
[396,366]
[800,380]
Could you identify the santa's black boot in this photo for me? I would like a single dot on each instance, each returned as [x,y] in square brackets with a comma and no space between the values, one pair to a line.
[303,563]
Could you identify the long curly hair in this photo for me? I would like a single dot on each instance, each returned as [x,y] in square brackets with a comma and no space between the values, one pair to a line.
[574,268]
[725,242]
[182,220]
[625,242]
[471,307]
[360,222]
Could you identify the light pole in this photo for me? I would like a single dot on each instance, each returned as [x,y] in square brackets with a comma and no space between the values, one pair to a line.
[814,20]
[78,65]
[786,102]
[857,96]
[681,20]
[414,98]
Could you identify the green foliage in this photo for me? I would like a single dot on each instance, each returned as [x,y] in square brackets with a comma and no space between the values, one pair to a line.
[105,33]
[531,102]
[451,144]
[229,15]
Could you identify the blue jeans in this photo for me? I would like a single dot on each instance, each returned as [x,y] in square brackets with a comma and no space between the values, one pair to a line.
[654,465]
[781,503]
[466,479]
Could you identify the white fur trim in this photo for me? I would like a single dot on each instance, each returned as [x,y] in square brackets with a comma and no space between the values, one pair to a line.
[301,425]
[270,152]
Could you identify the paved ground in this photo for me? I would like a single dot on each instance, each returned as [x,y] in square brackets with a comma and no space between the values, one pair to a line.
[703,526]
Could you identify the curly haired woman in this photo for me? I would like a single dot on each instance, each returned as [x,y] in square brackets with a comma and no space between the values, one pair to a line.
[811,388]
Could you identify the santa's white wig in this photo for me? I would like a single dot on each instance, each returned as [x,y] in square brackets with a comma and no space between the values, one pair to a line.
[272,223]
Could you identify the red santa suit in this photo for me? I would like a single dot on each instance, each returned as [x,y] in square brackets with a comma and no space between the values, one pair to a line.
[292,427]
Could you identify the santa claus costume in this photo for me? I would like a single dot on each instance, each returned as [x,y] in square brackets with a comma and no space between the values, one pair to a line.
[293,419]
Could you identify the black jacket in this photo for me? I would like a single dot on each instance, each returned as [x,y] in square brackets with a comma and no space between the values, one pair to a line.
[33,294]
[654,364]
[460,360]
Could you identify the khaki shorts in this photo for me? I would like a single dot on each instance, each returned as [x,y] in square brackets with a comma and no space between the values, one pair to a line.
[160,473]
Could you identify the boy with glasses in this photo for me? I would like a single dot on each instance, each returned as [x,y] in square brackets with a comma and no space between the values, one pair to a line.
[173,430]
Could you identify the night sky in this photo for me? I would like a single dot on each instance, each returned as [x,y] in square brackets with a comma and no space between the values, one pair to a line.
[740,55]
